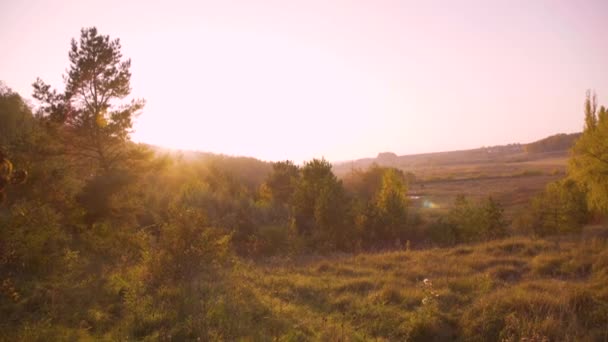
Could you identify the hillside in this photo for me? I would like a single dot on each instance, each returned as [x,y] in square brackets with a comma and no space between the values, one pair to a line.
[553,147]
[557,142]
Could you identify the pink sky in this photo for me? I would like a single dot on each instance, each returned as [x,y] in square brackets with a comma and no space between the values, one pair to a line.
[340,79]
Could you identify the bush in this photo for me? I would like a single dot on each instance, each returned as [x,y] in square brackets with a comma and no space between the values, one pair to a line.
[532,310]
[468,222]
[560,208]
[271,240]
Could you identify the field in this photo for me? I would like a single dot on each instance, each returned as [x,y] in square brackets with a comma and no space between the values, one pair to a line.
[512,184]
[509,290]
[517,289]
[507,173]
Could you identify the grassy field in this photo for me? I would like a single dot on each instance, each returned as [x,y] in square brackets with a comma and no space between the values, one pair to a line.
[512,182]
[550,165]
[510,290]
[511,178]
[516,289]
[513,192]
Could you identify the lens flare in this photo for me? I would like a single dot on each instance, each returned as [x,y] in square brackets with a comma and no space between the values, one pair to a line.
[429,204]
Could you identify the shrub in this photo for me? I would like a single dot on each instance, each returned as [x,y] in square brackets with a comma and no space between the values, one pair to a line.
[560,208]
[467,222]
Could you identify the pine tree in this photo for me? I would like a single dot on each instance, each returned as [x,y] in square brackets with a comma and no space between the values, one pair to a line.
[94,122]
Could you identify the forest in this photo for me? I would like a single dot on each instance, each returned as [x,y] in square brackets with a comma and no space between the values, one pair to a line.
[102,238]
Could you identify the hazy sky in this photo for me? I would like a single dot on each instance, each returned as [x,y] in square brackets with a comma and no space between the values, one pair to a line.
[341,79]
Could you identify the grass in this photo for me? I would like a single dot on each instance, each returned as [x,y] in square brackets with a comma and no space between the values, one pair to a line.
[511,182]
[503,290]
[514,289]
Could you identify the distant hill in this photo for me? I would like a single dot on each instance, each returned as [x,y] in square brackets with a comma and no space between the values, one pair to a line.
[557,142]
[555,146]
[249,170]
[550,147]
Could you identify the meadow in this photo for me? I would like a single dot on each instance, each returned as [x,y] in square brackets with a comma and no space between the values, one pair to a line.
[517,289]
[508,173]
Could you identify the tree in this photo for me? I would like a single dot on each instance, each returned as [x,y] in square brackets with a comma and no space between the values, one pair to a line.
[16,124]
[467,222]
[16,119]
[560,208]
[589,162]
[187,248]
[492,219]
[379,206]
[93,121]
[365,184]
[283,180]
[319,206]
[463,216]
[391,202]
[8,175]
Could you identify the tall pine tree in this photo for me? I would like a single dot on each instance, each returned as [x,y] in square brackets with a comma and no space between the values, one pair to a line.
[93,118]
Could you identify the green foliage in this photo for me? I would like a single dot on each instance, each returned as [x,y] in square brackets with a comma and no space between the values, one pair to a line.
[187,248]
[274,208]
[90,126]
[32,260]
[32,240]
[271,240]
[17,125]
[492,219]
[467,222]
[443,232]
[8,176]
[97,196]
[234,174]
[365,184]
[16,119]
[319,207]
[391,203]
[561,208]
[92,123]
[589,163]
[282,181]
[380,204]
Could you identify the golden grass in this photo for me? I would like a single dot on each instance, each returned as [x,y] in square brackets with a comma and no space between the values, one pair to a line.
[509,289]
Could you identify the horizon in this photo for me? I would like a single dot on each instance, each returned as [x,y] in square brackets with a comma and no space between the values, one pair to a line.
[260,79]
[337,162]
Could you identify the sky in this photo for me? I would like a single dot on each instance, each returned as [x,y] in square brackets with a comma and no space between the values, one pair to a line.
[336,79]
